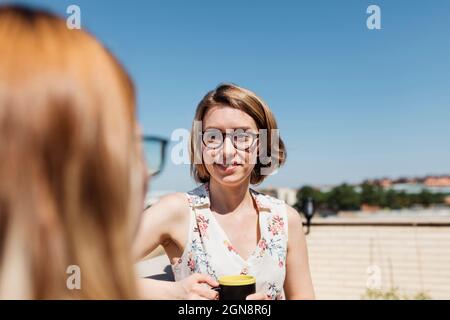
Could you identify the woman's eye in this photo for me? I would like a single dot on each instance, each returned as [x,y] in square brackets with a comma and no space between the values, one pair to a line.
[241,137]
[213,138]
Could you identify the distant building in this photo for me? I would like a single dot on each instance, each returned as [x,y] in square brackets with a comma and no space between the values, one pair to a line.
[443,181]
[418,187]
[435,184]
[368,208]
[288,195]
[385,183]
[438,181]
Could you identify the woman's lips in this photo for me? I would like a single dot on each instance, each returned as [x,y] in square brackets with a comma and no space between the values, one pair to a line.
[227,168]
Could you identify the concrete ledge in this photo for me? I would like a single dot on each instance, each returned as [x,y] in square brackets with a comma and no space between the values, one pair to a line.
[157,268]
[369,220]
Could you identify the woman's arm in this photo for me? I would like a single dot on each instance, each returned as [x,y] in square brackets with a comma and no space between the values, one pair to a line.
[194,287]
[164,222]
[160,224]
[298,283]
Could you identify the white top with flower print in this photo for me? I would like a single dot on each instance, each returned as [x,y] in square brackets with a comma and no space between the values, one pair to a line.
[209,251]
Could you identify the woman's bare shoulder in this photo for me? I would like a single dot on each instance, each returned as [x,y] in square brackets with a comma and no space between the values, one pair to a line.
[294,217]
[161,223]
[173,206]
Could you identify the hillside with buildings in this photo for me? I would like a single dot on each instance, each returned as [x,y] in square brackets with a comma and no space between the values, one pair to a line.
[372,195]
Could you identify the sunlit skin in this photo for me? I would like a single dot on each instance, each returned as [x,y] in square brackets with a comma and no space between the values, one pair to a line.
[166,223]
[228,119]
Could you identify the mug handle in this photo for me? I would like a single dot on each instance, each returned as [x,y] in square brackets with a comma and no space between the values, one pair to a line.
[217,289]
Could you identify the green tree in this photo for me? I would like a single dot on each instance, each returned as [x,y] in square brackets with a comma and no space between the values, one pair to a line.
[371,194]
[344,197]
[397,200]
[319,198]
[426,198]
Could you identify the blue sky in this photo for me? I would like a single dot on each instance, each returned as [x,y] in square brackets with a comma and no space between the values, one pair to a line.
[351,103]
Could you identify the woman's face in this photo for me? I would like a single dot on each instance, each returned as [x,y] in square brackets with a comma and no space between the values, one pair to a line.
[229,159]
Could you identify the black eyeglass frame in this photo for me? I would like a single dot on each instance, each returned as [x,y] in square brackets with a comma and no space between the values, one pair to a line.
[231,134]
[164,142]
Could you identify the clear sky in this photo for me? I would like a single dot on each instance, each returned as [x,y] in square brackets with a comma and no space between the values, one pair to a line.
[351,103]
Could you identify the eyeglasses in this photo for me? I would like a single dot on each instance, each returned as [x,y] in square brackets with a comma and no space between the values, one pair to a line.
[242,140]
[155,153]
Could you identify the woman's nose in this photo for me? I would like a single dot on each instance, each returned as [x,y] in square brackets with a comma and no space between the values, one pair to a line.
[228,150]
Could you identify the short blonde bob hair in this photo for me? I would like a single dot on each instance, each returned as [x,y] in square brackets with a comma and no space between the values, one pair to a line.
[231,95]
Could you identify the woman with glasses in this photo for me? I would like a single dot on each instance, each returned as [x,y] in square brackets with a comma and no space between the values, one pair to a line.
[224,227]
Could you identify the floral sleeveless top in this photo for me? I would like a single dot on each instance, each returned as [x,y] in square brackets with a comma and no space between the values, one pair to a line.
[208,250]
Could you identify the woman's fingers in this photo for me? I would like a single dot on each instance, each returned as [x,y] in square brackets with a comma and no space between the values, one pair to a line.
[203,278]
[198,287]
[258,296]
[197,297]
[206,293]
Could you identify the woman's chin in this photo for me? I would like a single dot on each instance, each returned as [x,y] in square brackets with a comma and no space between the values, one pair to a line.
[230,179]
[229,175]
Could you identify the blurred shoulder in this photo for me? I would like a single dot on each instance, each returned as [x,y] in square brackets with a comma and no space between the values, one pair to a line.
[294,217]
[173,206]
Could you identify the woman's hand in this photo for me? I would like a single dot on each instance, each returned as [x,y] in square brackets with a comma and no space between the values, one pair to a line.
[196,287]
[258,296]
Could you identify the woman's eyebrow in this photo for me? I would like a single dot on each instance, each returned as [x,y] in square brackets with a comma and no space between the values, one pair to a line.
[208,128]
[236,128]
